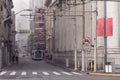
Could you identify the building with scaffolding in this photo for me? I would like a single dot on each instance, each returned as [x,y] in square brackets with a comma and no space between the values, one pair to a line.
[36,40]
[39,29]
[74,20]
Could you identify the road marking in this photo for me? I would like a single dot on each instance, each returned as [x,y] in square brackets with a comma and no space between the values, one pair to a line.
[23,73]
[2,73]
[13,73]
[45,73]
[76,73]
[34,73]
[66,73]
[56,73]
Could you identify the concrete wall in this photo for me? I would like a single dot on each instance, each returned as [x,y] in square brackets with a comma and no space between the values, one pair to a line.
[112,12]
[67,27]
[65,33]
[113,44]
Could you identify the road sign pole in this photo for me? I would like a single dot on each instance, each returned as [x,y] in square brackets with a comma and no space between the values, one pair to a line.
[86,47]
[83,61]
[86,59]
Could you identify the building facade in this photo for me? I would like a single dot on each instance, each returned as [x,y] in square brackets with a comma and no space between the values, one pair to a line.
[37,38]
[39,30]
[5,33]
[76,20]
[12,34]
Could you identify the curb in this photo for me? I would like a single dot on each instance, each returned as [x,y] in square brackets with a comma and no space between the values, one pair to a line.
[103,74]
[69,69]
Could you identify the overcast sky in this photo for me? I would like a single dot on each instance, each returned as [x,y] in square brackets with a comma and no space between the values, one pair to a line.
[20,4]
[23,22]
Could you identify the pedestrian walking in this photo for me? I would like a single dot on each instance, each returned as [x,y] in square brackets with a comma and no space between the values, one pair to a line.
[17,59]
[13,58]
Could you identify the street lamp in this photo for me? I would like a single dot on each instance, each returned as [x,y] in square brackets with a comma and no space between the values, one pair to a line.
[23,10]
[16,14]
[105,37]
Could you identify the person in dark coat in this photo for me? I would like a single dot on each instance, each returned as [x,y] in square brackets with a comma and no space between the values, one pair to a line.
[17,59]
[13,58]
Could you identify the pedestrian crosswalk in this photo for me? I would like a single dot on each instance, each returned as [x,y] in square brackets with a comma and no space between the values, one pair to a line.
[66,73]
[56,73]
[34,73]
[13,73]
[3,72]
[23,73]
[45,73]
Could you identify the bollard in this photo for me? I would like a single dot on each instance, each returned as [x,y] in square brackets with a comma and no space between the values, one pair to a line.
[78,64]
[108,67]
[91,65]
[67,62]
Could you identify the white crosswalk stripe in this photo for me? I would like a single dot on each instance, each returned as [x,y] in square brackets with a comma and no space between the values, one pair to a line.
[56,73]
[38,73]
[45,73]
[23,73]
[34,73]
[66,73]
[76,73]
[13,73]
[2,73]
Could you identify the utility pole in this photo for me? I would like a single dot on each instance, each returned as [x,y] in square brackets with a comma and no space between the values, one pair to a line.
[95,42]
[105,36]
[54,20]
[75,46]
[83,55]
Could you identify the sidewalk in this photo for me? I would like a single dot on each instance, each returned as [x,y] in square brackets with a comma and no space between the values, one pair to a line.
[104,74]
[59,65]
[100,73]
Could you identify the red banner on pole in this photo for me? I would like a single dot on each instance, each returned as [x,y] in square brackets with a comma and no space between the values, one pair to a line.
[109,27]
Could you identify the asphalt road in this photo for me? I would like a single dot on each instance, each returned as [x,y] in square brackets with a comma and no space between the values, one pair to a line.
[28,69]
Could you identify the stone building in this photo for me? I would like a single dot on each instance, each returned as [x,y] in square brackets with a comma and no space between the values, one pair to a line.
[12,34]
[5,32]
[73,22]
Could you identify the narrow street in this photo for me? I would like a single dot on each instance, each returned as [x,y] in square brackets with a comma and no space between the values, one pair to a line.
[71,39]
[28,69]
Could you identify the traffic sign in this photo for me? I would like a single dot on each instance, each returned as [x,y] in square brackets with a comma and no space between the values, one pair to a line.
[87,43]
[86,46]
[86,40]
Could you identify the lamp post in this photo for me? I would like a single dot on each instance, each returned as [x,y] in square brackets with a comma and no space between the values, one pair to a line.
[16,14]
[23,10]
[75,46]
[105,36]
